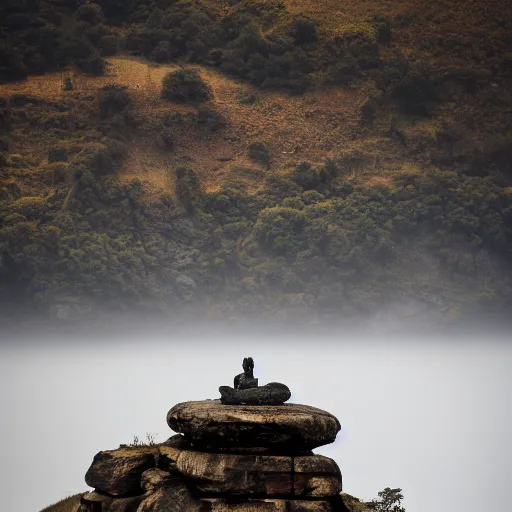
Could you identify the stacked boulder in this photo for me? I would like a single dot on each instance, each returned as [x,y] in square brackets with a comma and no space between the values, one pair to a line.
[247,452]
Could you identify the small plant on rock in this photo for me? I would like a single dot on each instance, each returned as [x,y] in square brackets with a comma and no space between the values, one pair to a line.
[150,440]
[389,501]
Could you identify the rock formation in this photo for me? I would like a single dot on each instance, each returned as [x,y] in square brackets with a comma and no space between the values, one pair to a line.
[225,458]
[273,393]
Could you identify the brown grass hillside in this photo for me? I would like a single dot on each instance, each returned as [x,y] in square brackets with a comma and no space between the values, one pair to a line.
[69,504]
[324,122]
[311,126]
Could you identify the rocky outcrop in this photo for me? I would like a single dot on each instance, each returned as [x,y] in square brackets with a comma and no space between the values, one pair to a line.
[238,475]
[288,428]
[261,475]
[226,458]
[173,496]
[153,479]
[316,476]
[118,472]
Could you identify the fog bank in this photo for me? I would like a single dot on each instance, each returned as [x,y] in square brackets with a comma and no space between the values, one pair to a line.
[428,414]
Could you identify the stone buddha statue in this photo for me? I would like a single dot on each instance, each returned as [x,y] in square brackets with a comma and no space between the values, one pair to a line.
[246,390]
[246,380]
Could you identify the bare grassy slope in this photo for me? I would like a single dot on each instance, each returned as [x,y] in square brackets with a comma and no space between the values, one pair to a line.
[69,504]
[321,123]
[311,126]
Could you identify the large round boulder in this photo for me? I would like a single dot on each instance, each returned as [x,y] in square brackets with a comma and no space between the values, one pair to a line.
[287,428]
[118,472]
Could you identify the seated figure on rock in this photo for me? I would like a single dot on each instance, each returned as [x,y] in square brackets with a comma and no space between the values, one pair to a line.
[246,380]
[247,391]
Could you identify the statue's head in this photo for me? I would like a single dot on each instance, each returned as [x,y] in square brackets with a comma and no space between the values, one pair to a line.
[248,364]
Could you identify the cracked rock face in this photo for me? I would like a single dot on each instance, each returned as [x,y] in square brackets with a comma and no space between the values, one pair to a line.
[290,428]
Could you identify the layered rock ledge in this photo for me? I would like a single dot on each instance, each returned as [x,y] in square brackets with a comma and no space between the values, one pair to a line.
[261,475]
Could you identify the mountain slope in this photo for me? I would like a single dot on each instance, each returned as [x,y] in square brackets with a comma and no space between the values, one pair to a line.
[354,160]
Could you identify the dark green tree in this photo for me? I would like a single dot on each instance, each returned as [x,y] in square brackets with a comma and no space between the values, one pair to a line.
[389,501]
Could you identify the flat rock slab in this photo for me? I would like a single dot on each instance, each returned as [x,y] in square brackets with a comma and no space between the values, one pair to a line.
[290,428]
[222,505]
[266,476]
[118,472]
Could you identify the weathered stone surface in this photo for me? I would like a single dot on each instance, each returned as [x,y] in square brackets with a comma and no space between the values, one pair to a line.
[154,478]
[176,441]
[238,475]
[239,450]
[273,393]
[93,502]
[169,451]
[261,475]
[174,496]
[97,502]
[124,504]
[287,428]
[266,505]
[118,472]
[346,503]
[316,476]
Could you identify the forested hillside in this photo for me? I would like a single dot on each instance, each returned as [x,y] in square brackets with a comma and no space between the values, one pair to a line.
[273,158]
